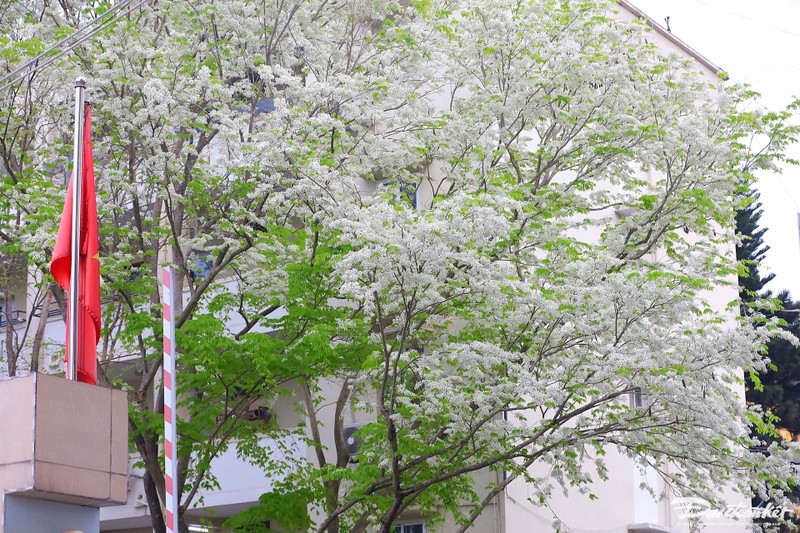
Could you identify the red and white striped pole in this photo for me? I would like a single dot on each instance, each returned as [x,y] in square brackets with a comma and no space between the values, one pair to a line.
[170,400]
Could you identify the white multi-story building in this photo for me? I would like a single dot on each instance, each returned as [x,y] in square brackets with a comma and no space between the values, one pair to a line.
[622,506]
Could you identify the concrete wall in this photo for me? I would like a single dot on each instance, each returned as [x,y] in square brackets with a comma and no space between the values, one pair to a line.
[30,515]
[620,503]
[62,441]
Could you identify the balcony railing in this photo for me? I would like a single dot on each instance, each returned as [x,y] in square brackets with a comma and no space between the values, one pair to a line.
[240,485]
[17,316]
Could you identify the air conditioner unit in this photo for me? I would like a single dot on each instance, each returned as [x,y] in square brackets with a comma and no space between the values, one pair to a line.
[351,440]
[259,413]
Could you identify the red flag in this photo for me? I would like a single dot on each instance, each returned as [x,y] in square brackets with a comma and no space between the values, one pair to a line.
[89,264]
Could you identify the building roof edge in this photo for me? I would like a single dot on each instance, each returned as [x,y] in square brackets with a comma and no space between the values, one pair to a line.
[700,58]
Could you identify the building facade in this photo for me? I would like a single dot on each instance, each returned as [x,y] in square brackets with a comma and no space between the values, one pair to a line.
[623,504]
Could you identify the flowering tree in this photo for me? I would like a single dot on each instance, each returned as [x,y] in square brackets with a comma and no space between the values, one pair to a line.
[478,226]
[22,177]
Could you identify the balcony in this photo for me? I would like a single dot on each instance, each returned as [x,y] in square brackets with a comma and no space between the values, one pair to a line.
[240,487]
[15,316]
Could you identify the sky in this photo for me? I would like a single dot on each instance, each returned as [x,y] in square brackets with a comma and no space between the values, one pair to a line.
[757,43]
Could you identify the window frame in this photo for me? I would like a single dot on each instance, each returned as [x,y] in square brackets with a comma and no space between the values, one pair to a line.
[401,526]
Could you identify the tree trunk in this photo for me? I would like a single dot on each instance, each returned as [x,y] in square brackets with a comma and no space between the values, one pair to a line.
[147,446]
[36,351]
[156,516]
[11,352]
[183,527]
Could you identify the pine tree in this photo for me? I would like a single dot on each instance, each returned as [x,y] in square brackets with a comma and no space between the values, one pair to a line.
[781,388]
[779,391]
[751,250]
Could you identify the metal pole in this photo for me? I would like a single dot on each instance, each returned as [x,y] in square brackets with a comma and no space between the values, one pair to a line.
[172,499]
[77,179]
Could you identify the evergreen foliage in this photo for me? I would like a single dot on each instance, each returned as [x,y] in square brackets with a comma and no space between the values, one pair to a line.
[778,388]
[751,249]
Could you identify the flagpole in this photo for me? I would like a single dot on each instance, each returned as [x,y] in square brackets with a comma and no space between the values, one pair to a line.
[77,182]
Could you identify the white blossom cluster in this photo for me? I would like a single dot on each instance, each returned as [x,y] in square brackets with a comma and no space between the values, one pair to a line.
[492,223]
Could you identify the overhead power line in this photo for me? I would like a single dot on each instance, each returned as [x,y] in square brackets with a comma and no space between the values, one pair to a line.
[26,70]
[66,39]
[747,17]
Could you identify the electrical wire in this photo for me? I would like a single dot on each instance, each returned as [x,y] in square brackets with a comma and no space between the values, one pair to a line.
[65,39]
[45,64]
[746,17]
[69,48]
[788,193]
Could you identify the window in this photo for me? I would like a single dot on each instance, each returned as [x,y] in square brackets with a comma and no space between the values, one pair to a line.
[201,265]
[417,527]
[640,398]
[401,192]
[264,106]
[50,312]
[9,313]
